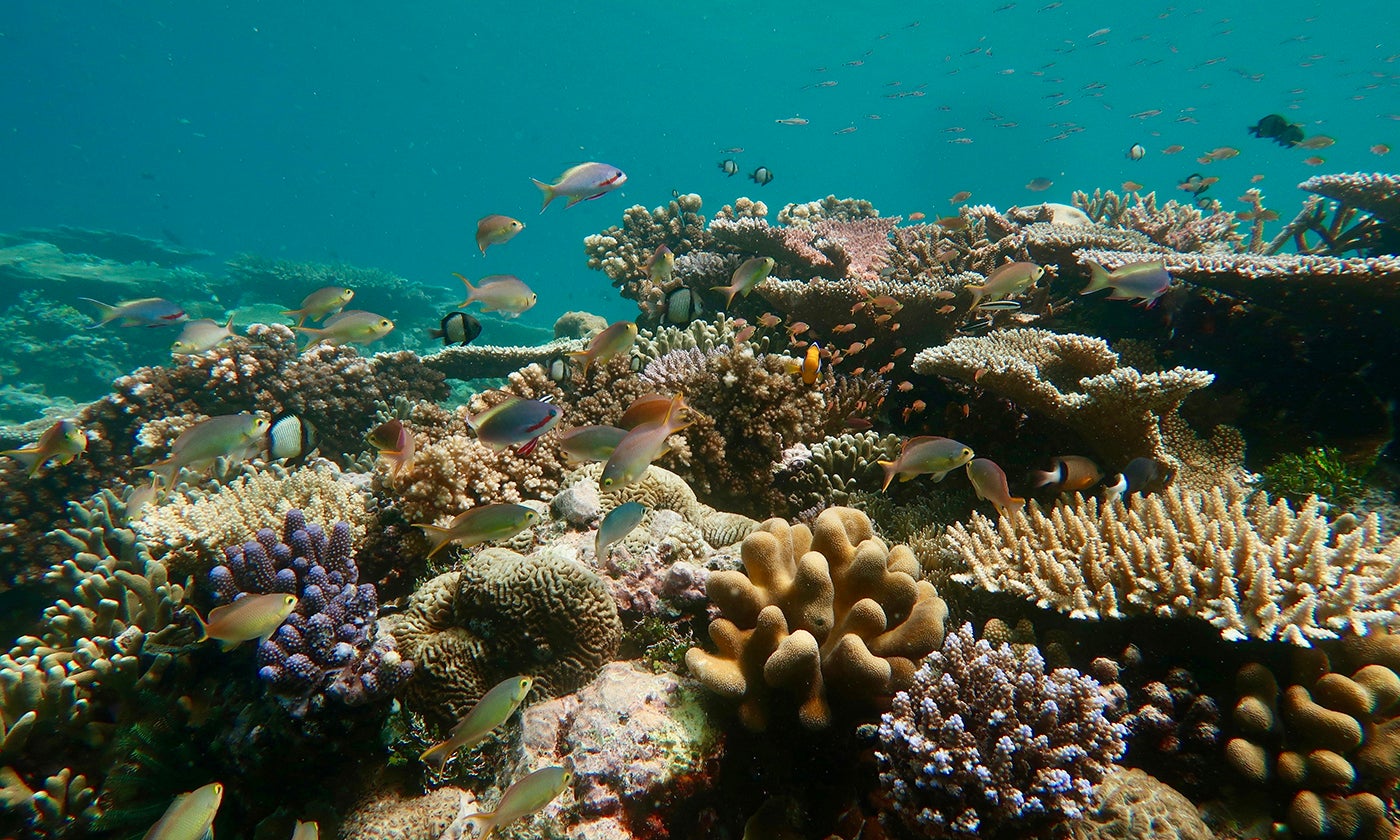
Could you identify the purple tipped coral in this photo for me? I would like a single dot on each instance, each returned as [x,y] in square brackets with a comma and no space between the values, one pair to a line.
[985,736]
[328,645]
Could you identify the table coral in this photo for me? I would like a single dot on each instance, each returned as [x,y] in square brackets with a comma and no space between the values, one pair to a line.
[824,614]
[1251,567]
[984,737]
[1074,380]
[497,616]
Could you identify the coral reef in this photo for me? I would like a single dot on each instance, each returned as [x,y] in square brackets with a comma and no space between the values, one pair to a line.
[498,615]
[1252,568]
[824,615]
[1131,805]
[829,471]
[390,814]
[327,647]
[984,737]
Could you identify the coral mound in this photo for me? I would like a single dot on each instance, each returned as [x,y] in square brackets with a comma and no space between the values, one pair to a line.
[985,736]
[829,610]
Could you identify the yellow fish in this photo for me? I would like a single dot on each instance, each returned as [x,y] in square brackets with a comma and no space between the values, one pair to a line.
[810,366]
[250,617]
[353,326]
[496,230]
[203,334]
[327,300]
[661,265]
[306,831]
[926,454]
[617,338]
[1007,280]
[231,435]
[60,443]
[190,816]
[522,799]
[493,709]
[989,480]
[745,277]
[485,523]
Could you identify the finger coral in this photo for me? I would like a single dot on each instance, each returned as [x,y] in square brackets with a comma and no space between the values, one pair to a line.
[1252,568]
[985,737]
[825,614]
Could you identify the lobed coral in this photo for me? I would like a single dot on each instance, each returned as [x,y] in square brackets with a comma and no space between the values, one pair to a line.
[1252,568]
[824,615]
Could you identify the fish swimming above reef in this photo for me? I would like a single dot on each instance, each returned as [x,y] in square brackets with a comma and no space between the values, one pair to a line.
[493,709]
[1136,152]
[394,443]
[590,443]
[290,438]
[200,335]
[496,230]
[145,312]
[321,303]
[1141,475]
[457,328]
[1145,281]
[661,264]
[60,444]
[614,340]
[584,182]
[1278,129]
[481,524]
[644,444]
[650,408]
[763,176]
[810,366]
[521,799]
[1070,473]
[749,274]
[989,481]
[499,293]
[1006,281]
[515,421]
[926,455]
[190,816]
[619,522]
[353,326]
[226,435]
[250,617]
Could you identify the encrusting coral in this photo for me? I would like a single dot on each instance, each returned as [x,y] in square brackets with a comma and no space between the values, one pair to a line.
[1252,568]
[984,737]
[824,614]
[498,615]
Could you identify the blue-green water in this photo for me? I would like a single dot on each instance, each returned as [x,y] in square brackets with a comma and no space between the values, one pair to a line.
[378,134]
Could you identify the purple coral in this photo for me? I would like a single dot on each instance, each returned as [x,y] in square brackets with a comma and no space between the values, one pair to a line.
[985,736]
[328,645]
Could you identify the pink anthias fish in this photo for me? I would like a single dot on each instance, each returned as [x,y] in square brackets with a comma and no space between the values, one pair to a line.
[989,480]
[1145,281]
[584,182]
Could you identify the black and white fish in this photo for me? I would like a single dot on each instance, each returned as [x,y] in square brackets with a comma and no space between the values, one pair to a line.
[761,176]
[457,328]
[730,166]
[291,438]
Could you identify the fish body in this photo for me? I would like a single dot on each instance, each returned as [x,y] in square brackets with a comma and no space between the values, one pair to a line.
[811,364]
[190,816]
[1070,473]
[481,524]
[618,524]
[642,445]
[522,799]
[228,435]
[615,339]
[590,443]
[493,709]
[499,293]
[661,265]
[250,617]
[1280,130]
[926,455]
[1141,475]
[200,335]
[306,831]
[322,303]
[394,443]
[648,408]
[514,421]
[584,182]
[999,306]
[729,166]
[989,480]
[1144,281]
[290,438]
[959,196]
[1136,152]
[749,274]
[457,328]
[60,443]
[146,312]
[353,326]
[140,497]
[763,176]
[1007,280]
[496,230]
[1039,184]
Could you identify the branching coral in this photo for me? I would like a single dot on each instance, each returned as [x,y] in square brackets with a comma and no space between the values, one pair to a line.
[1251,568]
[824,615]
[985,737]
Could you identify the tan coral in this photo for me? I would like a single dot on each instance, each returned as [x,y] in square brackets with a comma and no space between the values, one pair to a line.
[1251,567]
[661,489]
[393,815]
[824,614]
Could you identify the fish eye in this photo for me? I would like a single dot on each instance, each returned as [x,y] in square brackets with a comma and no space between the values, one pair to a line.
[384,322]
[607,482]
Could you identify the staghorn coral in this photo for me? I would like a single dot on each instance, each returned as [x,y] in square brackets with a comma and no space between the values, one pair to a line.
[1251,568]
[1329,742]
[824,615]
[188,531]
[984,737]
[498,615]
[1074,380]
[1181,227]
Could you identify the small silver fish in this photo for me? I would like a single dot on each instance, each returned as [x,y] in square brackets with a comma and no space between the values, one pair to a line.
[1000,306]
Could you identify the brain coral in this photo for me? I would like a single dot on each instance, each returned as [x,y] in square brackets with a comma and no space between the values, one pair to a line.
[829,610]
[503,614]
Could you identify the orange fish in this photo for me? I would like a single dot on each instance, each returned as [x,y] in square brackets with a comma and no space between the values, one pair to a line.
[843,328]
[856,347]
[944,310]
[919,406]
[881,319]
[957,197]
[1172,149]
[989,481]
[768,319]
[885,368]
[956,222]
[648,408]
[1380,149]
[1070,473]
[394,443]
[1319,141]
[905,386]
[916,216]
[1254,179]
[1131,186]
[744,335]
[810,365]
[1314,161]
[898,351]
[797,328]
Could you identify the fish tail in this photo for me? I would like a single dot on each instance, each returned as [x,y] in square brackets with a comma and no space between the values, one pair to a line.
[229,325]
[436,756]
[1098,278]
[106,313]
[729,293]
[471,290]
[436,333]
[582,354]
[203,628]
[29,458]
[548,190]
[890,468]
[298,313]
[319,335]
[1041,478]
[437,537]
[976,294]
[484,823]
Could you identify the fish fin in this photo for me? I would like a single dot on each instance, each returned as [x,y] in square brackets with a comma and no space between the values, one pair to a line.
[436,756]
[1098,278]
[229,325]
[577,198]
[587,359]
[106,313]
[729,293]
[548,190]
[203,628]
[436,333]
[939,476]
[890,468]
[30,459]
[484,823]
[437,537]
[976,295]
[1043,478]
[527,447]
